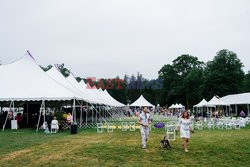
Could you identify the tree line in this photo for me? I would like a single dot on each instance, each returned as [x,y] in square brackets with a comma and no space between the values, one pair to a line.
[186,80]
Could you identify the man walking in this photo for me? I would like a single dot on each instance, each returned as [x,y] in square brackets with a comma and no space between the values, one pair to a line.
[144,121]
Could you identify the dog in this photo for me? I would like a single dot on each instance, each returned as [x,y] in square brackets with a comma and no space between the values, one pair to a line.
[165,143]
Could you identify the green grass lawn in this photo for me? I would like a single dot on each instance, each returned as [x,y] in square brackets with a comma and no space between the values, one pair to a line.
[87,148]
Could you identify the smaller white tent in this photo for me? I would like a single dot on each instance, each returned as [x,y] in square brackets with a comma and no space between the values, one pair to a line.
[181,106]
[140,102]
[176,106]
[203,103]
[216,101]
[172,106]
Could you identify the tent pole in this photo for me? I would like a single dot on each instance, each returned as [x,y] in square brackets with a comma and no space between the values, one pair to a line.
[96,116]
[248,110]
[13,110]
[74,111]
[236,109]
[81,114]
[27,114]
[7,116]
[37,126]
[44,113]
[92,116]
[86,119]
[40,114]
[202,112]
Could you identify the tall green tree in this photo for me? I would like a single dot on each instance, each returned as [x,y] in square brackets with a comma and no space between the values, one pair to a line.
[177,81]
[193,85]
[46,68]
[186,63]
[119,92]
[223,75]
[65,71]
[246,83]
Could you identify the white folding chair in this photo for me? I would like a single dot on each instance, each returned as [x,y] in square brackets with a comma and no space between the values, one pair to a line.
[99,127]
[171,134]
[210,125]
[199,126]
[110,128]
[236,125]
[54,128]
[228,125]
[124,126]
[242,123]
[220,125]
[132,126]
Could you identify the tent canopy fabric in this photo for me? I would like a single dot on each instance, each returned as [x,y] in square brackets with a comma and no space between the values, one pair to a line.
[176,106]
[216,101]
[243,98]
[24,80]
[57,75]
[103,96]
[203,103]
[115,102]
[140,102]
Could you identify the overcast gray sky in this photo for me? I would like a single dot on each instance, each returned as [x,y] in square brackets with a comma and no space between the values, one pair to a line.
[106,38]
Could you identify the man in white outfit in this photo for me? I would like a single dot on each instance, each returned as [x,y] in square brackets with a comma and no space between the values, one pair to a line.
[144,121]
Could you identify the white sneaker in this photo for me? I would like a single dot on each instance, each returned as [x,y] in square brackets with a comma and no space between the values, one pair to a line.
[186,151]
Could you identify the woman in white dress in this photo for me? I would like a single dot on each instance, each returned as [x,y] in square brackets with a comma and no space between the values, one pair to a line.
[185,127]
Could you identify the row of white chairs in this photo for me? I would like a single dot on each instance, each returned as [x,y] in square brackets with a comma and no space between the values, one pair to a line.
[131,126]
[125,126]
[223,124]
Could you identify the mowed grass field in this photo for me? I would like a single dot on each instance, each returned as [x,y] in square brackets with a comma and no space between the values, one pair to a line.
[87,148]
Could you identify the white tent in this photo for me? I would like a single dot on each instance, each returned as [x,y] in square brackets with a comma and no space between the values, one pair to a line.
[203,103]
[243,98]
[216,101]
[83,90]
[141,101]
[87,89]
[176,106]
[57,75]
[181,106]
[103,96]
[24,80]
[115,102]
[172,106]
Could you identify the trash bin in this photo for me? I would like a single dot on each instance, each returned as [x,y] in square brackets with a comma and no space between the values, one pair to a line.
[73,129]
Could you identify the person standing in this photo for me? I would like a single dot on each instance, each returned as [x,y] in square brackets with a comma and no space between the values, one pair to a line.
[145,121]
[242,114]
[185,127]
[19,120]
[69,119]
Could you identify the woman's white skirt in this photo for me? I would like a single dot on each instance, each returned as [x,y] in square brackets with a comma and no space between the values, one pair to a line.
[185,133]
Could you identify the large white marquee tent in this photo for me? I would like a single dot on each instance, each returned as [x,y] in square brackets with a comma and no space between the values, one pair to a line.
[23,80]
[243,98]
